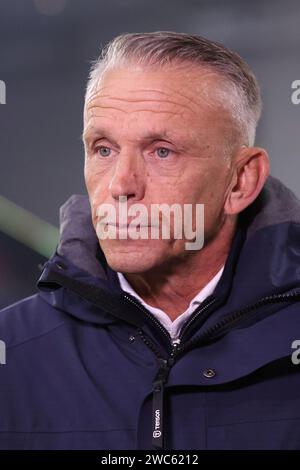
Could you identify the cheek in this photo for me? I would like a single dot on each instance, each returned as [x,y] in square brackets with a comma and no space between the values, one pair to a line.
[214,205]
[88,172]
[96,188]
[96,182]
[209,189]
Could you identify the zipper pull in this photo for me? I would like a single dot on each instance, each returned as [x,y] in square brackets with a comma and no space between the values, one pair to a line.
[158,397]
[176,346]
[158,404]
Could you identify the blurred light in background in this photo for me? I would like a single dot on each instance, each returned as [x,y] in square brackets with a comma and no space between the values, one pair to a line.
[27,228]
[26,241]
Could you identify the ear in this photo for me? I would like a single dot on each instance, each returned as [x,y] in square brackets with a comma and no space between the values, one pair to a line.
[250,170]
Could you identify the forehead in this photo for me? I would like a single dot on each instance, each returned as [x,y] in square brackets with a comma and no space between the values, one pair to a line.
[130,89]
[171,98]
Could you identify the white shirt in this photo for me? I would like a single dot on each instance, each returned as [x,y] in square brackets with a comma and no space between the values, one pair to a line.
[175,326]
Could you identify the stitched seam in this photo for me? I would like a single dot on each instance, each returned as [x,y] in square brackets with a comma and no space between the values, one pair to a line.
[36,337]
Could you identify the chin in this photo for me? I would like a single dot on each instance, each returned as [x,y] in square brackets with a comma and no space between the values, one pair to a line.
[129,264]
[132,259]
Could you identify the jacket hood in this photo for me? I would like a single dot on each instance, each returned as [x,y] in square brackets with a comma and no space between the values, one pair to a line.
[264,258]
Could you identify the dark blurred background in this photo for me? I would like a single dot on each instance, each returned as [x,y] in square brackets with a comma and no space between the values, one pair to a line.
[45,50]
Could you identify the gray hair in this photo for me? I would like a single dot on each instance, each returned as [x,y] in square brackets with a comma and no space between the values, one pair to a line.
[239,90]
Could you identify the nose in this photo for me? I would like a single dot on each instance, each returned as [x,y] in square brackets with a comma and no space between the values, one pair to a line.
[128,177]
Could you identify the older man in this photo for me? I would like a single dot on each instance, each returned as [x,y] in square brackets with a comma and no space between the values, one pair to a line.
[137,340]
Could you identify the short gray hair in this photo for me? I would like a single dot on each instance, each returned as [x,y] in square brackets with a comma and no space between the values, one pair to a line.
[163,48]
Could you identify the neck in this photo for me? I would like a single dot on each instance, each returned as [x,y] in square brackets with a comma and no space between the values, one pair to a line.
[164,287]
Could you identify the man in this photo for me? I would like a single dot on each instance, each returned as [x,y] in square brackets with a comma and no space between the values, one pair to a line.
[138,342]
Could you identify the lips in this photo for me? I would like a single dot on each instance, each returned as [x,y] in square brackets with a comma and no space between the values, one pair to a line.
[118,225]
[129,225]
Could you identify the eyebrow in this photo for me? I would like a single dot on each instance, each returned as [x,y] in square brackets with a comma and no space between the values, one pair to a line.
[94,133]
[88,134]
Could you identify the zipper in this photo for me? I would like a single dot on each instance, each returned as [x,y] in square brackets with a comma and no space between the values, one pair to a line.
[178,350]
[221,327]
[151,317]
[159,382]
[164,368]
[199,311]
[161,377]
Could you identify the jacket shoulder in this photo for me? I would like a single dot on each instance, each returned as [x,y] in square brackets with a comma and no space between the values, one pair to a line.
[28,319]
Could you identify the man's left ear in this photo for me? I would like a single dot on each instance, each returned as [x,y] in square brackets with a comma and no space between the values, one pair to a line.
[251,169]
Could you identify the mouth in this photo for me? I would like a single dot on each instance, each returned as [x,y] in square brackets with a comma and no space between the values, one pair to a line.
[126,226]
[130,225]
[120,230]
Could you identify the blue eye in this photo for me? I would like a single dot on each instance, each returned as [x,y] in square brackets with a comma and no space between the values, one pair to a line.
[164,152]
[103,151]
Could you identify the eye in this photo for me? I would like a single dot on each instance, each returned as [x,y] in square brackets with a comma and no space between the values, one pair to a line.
[163,152]
[103,151]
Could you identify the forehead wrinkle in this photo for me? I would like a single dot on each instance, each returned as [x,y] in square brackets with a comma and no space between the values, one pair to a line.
[164,132]
[91,116]
[91,109]
[92,131]
[156,111]
[144,90]
[98,98]
[146,100]
[126,100]
[200,80]
[97,104]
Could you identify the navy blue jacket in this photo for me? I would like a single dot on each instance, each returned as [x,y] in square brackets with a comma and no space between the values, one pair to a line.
[88,367]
